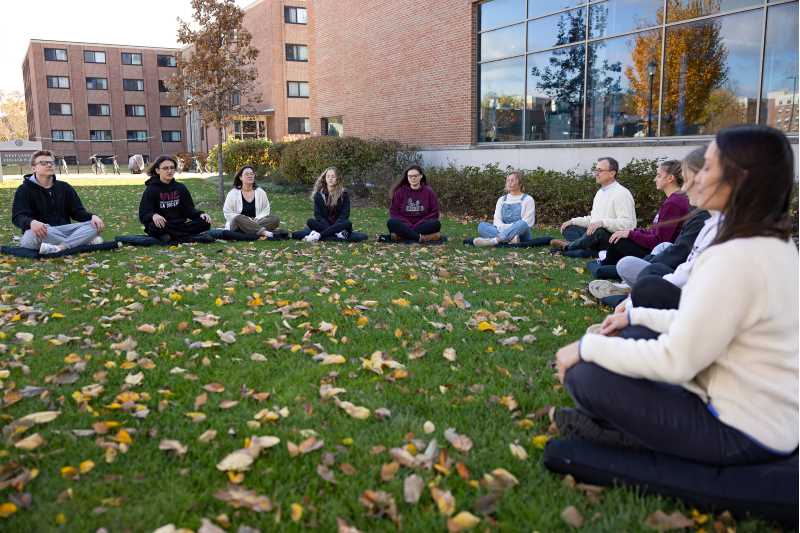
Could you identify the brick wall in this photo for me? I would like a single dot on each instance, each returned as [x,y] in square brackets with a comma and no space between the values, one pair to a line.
[395,69]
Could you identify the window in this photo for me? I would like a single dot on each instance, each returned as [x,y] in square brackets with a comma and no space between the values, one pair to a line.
[295,15]
[297,89]
[134,110]
[137,136]
[63,135]
[170,111]
[90,56]
[99,110]
[132,85]
[55,54]
[333,126]
[100,135]
[60,109]
[249,129]
[130,58]
[580,69]
[162,86]
[97,84]
[779,93]
[296,52]
[166,61]
[170,136]
[57,82]
[236,98]
[299,125]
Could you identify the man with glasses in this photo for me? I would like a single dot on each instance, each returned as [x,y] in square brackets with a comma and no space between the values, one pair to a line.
[613,209]
[44,207]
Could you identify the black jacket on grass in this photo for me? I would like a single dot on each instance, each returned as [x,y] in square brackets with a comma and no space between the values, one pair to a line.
[679,251]
[170,200]
[56,206]
[335,214]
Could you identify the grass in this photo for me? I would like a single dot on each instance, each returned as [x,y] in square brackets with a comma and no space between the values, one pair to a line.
[145,487]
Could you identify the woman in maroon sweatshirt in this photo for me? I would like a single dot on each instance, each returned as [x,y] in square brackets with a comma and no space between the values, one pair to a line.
[640,241]
[414,212]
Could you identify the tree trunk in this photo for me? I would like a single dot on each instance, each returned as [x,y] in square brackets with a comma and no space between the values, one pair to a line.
[221,191]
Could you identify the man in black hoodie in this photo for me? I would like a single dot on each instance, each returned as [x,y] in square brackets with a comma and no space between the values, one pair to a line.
[166,209]
[43,208]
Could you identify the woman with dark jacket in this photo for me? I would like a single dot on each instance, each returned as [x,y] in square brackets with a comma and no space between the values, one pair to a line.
[166,208]
[331,210]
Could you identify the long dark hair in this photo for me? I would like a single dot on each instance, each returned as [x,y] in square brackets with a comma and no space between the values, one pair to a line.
[237,179]
[404,179]
[758,164]
[151,171]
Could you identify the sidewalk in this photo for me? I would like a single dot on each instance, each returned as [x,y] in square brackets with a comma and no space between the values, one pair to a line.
[10,181]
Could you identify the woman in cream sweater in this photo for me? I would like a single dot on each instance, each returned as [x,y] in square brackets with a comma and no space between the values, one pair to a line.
[717,383]
[246,207]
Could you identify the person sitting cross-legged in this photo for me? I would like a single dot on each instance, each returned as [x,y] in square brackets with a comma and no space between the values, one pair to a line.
[331,210]
[414,210]
[247,208]
[44,206]
[514,216]
[166,208]
[613,210]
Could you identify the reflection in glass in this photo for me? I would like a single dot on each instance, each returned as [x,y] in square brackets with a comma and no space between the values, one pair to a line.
[554,103]
[537,8]
[503,43]
[622,16]
[711,74]
[779,93]
[564,28]
[622,86]
[502,91]
[689,9]
[501,12]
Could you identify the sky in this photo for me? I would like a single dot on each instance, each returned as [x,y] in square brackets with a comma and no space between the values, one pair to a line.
[139,22]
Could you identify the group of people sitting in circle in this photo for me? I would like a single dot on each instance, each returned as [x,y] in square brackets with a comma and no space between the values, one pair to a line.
[699,361]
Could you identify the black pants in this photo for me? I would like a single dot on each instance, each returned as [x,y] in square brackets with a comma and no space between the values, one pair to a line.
[655,269]
[578,239]
[326,229]
[662,417]
[404,230]
[178,229]
[655,292]
[623,248]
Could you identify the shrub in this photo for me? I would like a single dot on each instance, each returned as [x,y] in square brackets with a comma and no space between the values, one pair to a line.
[366,166]
[237,153]
[473,191]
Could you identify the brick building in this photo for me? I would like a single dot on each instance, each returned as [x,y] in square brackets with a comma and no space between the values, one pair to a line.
[87,98]
[280,32]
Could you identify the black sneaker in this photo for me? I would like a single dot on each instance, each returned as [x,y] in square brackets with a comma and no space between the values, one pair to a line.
[573,423]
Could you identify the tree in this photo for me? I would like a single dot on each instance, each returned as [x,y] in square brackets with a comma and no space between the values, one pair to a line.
[13,120]
[216,72]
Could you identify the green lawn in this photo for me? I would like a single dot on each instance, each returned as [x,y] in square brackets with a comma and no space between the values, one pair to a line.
[286,302]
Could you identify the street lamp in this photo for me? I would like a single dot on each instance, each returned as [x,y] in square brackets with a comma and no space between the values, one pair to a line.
[651,72]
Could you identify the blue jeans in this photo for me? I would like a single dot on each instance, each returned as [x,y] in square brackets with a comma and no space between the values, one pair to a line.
[519,229]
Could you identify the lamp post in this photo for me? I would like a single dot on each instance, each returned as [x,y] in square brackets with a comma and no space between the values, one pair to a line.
[651,72]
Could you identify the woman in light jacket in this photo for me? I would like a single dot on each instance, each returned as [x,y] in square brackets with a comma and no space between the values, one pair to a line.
[247,207]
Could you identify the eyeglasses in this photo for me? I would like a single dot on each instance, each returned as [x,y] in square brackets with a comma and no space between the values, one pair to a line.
[600,170]
[46,162]
[166,168]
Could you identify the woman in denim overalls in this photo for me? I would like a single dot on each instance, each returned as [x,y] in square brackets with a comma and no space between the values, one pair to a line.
[514,216]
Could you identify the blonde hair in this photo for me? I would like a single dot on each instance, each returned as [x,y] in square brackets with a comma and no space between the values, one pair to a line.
[332,197]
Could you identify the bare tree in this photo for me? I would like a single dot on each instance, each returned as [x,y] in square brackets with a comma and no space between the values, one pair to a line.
[216,71]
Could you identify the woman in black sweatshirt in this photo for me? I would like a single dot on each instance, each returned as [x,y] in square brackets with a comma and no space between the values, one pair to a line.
[331,210]
[166,209]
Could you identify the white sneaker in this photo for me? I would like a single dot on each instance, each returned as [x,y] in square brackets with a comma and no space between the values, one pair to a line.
[96,240]
[47,248]
[484,241]
[269,234]
[603,288]
[342,235]
[312,237]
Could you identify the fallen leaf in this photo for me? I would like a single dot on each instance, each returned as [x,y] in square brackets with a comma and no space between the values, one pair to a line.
[573,517]
[463,521]
[134,379]
[412,488]
[296,512]
[207,436]
[29,443]
[449,354]
[389,470]
[173,446]
[461,443]
[518,451]
[428,427]
[661,521]
[214,387]
[239,461]
[445,501]
[228,337]
[146,328]
[238,497]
